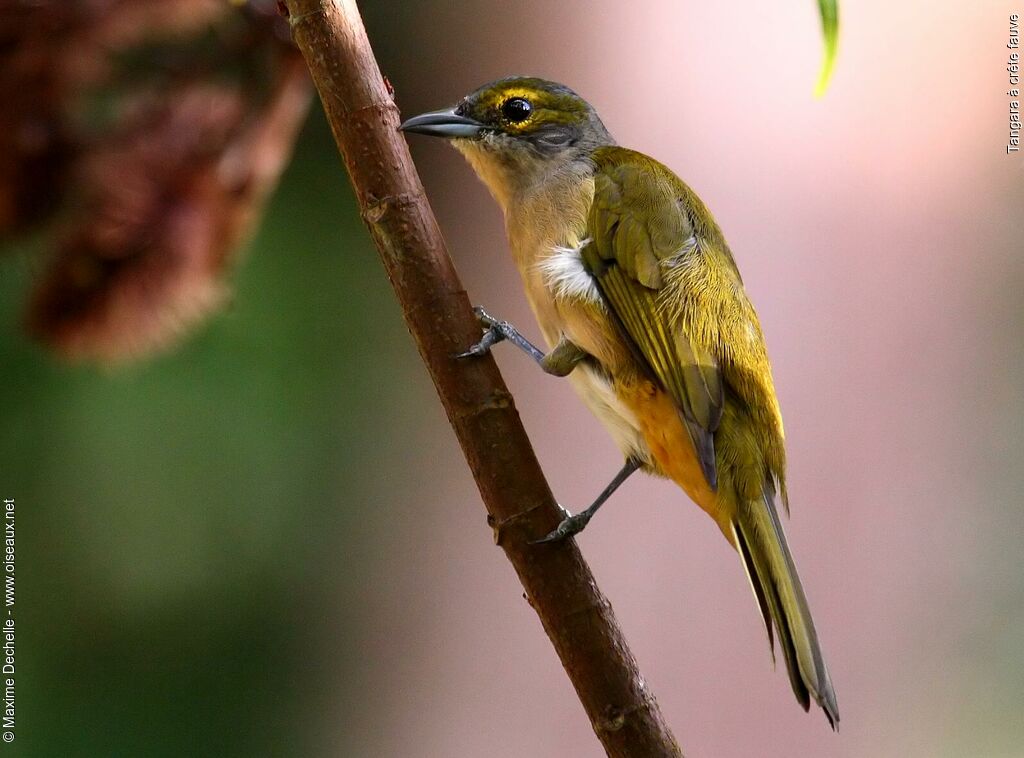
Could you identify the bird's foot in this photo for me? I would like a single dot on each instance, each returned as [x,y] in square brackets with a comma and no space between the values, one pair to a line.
[495,331]
[570,525]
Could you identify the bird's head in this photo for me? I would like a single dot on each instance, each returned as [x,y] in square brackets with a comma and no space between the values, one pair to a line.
[515,131]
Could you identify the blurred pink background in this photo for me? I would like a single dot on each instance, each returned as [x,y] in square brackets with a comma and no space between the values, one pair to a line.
[879,234]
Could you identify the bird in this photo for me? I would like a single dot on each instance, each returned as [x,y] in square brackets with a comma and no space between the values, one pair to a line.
[642,307]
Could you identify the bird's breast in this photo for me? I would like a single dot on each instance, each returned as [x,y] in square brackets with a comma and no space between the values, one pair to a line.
[547,232]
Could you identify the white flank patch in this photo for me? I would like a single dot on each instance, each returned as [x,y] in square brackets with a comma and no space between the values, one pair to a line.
[565,275]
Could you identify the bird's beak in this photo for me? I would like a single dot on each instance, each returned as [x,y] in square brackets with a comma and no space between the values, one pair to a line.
[446,123]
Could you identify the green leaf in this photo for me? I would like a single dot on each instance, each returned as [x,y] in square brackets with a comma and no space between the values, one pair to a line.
[830,27]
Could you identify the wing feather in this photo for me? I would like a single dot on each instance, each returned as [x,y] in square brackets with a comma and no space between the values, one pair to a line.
[637,225]
[666,272]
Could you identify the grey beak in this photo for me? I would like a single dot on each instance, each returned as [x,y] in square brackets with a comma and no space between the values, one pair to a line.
[446,123]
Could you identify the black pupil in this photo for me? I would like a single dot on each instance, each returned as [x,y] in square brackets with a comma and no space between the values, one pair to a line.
[516,109]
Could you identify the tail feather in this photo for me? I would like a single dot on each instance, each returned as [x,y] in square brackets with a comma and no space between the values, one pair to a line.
[756,586]
[761,543]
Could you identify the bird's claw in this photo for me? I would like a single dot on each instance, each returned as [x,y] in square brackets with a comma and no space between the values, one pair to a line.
[491,338]
[486,319]
[567,527]
[494,332]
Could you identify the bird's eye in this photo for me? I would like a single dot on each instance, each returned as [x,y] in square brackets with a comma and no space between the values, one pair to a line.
[517,109]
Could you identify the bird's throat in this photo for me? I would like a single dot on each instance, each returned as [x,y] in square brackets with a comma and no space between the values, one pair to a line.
[507,174]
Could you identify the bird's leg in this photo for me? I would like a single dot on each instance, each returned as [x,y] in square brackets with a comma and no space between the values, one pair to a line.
[571,525]
[559,362]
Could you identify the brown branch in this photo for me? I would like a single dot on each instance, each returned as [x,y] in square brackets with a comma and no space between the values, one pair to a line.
[576,616]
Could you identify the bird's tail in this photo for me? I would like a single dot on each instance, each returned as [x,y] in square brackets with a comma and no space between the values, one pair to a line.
[761,543]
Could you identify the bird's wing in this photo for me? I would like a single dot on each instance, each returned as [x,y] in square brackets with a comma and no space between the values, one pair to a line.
[640,225]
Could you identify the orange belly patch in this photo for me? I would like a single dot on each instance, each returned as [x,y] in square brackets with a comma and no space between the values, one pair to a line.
[671,448]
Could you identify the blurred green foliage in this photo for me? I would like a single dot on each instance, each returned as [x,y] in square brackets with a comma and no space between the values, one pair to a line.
[168,513]
[829,10]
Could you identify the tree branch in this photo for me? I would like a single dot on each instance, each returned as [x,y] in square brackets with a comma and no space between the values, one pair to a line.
[576,616]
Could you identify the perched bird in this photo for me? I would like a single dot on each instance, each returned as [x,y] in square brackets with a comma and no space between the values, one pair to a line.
[642,307]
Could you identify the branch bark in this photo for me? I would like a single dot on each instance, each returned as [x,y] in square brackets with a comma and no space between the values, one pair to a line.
[558,583]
